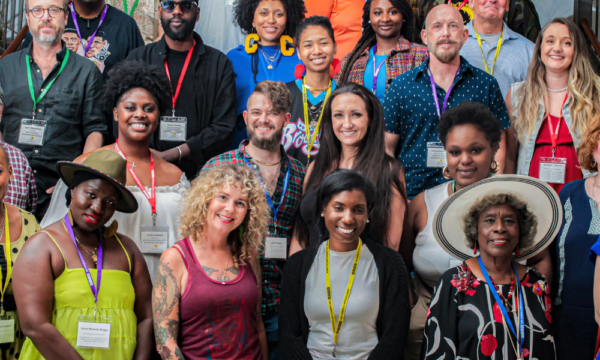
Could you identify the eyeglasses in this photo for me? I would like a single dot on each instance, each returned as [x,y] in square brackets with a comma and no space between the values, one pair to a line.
[38,12]
[185,6]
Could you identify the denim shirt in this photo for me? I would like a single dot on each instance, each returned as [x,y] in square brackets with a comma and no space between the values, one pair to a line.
[527,148]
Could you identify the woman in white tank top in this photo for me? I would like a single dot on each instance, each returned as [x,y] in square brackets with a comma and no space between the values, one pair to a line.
[471,136]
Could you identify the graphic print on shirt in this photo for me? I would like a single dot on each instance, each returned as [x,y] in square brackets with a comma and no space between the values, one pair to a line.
[220,336]
[294,134]
[73,41]
[98,51]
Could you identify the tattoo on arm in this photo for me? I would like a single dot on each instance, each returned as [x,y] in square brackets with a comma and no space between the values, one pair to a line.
[166,312]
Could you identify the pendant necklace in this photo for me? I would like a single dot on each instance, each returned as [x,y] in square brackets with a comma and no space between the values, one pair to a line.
[270,59]
[93,252]
[133,165]
[88,20]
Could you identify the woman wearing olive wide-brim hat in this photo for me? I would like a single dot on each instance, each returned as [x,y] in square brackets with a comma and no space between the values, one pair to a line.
[57,303]
[490,305]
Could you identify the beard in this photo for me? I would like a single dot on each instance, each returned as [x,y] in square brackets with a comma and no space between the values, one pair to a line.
[188,28]
[46,39]
[270,143]
[444,56]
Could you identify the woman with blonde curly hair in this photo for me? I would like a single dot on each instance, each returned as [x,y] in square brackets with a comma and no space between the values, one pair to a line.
[553,107]
[207,294]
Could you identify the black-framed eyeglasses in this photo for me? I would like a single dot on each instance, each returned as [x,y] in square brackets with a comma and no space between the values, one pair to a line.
[53,11]
[185,6]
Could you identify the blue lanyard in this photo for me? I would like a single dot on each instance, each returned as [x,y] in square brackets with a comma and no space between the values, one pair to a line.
[503,309]
[285,186]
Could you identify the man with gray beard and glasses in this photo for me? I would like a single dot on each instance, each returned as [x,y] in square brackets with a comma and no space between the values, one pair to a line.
[202,116]
[416,100]
[52,98]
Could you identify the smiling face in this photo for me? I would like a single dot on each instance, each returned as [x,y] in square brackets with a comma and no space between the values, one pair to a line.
[137,115]
[386,20]
[557,48]
[227,210]
[350,119]
[445,33]
[264,123]
[93,203]
[46,30]
[316,49]
[469,154]
[489,10]
[269,21]
[346,216]
[498,228]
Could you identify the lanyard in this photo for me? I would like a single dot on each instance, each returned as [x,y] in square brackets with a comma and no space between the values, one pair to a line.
[175,95]
[434,91]
[311,142]
[340,322]
[8,260]
[376,69]
[285,186]
[79,31]
[152,196]
[132,8]
[95,290]
[461,5]
[521,313]
[554,135]
[48,86]
[498,47]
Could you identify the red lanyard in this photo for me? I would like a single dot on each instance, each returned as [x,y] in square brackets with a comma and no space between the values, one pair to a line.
[183,71]
[461,5]
[554,135]
[152,196]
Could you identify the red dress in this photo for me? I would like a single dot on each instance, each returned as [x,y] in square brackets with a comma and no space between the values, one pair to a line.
[564,149]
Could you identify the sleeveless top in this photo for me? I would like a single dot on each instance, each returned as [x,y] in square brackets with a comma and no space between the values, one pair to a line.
[73,297]
[429,259]
[217,318]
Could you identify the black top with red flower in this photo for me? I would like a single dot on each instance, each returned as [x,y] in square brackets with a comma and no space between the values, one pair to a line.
[464,321]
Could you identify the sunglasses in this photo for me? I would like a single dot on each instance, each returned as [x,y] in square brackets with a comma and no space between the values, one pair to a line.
[185,6]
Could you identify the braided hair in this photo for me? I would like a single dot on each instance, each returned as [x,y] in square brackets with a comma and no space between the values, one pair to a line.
[243,16]
[369,38]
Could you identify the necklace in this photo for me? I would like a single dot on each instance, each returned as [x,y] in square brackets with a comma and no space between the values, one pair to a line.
[510,292]
[383,52]
[133,166]
[265,164]
[557,91]
[314,113]
[270,59]
[91,252]
[317,89]
[90,19]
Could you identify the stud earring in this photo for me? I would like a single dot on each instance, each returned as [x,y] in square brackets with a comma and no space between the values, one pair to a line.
[250,47]
[284,40]
[367,221]
[322,215]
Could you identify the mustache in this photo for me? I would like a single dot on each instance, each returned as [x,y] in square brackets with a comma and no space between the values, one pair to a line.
[446,41]
[46,23]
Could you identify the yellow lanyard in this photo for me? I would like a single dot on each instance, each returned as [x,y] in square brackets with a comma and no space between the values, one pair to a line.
[310,142]
[497,51]
[8,260]
[336,330]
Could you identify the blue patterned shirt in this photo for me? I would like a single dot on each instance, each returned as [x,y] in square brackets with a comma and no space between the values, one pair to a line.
[410,112]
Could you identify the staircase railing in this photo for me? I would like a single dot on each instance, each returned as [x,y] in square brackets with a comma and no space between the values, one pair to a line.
[12,22]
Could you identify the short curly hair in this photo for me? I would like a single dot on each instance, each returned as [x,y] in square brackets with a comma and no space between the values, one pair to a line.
[474,113]
[527,220]
[589,144]
[243,14]
[277,92]
[128,75]
[192,219]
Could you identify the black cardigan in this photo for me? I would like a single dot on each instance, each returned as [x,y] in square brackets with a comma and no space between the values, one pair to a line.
[394,306]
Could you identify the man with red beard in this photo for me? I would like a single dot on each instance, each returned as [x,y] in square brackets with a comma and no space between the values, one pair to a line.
[52,98]
[416,99]
[281,176]
[202,119]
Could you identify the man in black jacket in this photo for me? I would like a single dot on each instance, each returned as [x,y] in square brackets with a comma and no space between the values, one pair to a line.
[202,120]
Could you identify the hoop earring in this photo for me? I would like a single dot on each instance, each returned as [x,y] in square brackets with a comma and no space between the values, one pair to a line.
[251,48]
[446,173]
[284,40]
[494,167]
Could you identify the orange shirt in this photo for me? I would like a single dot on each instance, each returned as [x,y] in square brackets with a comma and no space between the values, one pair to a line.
[345,17]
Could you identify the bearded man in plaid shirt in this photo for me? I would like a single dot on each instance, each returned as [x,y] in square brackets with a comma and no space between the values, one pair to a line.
[281,177]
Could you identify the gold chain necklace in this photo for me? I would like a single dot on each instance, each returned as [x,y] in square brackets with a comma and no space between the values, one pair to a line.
[92,252]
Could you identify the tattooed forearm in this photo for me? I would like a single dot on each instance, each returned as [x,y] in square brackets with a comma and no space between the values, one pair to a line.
[165,305]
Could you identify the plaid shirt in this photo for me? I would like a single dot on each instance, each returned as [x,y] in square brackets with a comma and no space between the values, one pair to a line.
[21,191]
[404,57]
[271,269]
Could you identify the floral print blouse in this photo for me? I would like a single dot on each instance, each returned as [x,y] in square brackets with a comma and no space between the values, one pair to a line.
[465,323]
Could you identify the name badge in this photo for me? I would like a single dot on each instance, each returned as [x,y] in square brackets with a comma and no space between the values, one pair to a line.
[32,132]
[276,248]
[7,330]
[93,332]
[155,239]
[436,155]
[553,170]
[173,128]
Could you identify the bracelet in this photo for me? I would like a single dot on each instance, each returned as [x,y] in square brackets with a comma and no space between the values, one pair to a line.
[178,148]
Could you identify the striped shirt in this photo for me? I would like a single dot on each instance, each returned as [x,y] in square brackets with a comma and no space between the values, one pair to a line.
[513,60]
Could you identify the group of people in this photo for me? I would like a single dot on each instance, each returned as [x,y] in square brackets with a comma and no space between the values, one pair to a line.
[298,198]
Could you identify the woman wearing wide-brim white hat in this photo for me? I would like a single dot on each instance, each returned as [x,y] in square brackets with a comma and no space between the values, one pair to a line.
[491,305]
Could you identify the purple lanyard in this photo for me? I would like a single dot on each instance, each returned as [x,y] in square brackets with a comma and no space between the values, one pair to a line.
[79,31]
[434,91]
[95,290]
[376,69]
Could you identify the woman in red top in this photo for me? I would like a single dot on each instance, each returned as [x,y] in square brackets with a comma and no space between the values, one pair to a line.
[207,294]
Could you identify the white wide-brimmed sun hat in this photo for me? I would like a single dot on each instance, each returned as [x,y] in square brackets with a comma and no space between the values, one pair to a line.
[541,200]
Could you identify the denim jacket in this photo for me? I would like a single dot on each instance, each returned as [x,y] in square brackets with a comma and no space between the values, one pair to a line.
[527,148]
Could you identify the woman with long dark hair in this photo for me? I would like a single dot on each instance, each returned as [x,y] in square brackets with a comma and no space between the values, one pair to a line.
[385,47]
[353,138]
